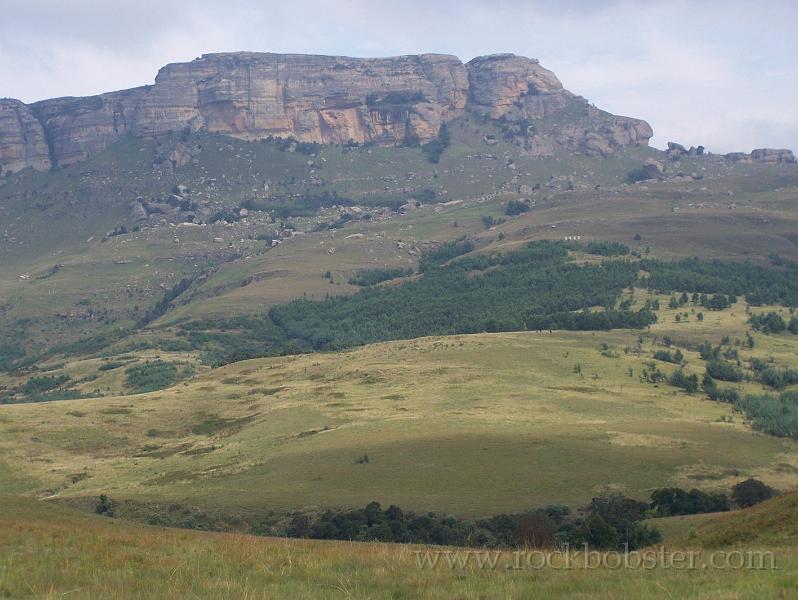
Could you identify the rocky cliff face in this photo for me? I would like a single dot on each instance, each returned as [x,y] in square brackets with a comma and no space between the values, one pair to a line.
[22,142]
[325,99]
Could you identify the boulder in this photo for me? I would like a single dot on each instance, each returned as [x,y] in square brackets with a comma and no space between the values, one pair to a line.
[676,148]
[652,169]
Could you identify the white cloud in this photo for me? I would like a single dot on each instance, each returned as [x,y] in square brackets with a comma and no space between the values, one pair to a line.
[719,73]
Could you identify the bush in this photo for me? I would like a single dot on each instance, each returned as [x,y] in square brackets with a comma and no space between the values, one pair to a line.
[667,502]
[613,522]
[444,253]
[10,355]
[516,207]
[637,174]
[724,371]
[163,305]
[37,385]
[105,506]
[689,383]
[717,393]
[666,356]
[110,366]
[607,248]
[775,415]
[777,378]
[609,523]
[367,277]
[768,323]
[750,492]
[155,375]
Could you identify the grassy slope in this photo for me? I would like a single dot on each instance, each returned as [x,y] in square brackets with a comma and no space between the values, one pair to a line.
[472,425]
[54,552]
[102,285]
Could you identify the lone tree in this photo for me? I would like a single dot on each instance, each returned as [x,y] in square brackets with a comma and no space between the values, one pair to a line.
[750,492]
[105,506]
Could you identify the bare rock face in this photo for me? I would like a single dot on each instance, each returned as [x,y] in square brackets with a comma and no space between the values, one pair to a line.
[22,141]
[513,87]
[773,155]
[325,99]
[518,91]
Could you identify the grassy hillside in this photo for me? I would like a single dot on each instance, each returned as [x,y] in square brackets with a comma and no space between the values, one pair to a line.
[65,279]
[774,522]
[472,425]
[54,552]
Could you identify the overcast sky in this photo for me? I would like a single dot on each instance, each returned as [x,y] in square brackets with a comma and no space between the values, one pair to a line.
[718,73]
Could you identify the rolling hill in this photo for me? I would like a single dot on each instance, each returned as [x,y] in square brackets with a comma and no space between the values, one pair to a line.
[273,285]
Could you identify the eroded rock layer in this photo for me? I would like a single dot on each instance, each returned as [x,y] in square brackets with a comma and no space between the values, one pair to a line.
[325,99]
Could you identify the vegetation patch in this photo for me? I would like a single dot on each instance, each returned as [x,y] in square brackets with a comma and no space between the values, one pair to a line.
[369,277]
[156,375]
[214,424]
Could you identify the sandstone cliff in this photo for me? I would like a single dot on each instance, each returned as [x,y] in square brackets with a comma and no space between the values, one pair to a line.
[326,99]
[22,142]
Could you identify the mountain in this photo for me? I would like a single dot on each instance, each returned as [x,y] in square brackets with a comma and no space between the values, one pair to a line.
[323,99]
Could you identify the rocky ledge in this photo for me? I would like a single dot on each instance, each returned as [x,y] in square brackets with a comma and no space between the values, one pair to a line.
[325,99]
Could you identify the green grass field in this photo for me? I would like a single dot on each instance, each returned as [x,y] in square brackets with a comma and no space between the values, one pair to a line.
[471,425]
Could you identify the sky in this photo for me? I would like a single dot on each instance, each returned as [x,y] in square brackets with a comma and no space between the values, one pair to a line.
[717,73]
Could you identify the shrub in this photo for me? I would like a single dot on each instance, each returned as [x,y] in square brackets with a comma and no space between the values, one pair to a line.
[607,248]
[666,502]
[775,415]
[37,385]
[724,371]
[778,378]
[155,375]
[750,492]
[516,207]
[717,393]
[689,383]
[367,277]
[768,323]
[105,506]
[666,356]
[444,253]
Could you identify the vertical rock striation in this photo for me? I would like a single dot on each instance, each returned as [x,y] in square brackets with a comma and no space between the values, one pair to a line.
[22,141]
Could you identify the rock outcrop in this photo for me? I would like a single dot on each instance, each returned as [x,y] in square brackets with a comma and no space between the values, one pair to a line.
[517,91]
[325,99]
[773,155]
[514,88]
[22,141]
[764,155]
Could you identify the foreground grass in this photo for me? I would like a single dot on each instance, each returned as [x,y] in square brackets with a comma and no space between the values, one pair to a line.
[54,552]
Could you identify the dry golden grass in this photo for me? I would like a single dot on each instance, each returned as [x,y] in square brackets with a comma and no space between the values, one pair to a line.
[52,552]
[471,425]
